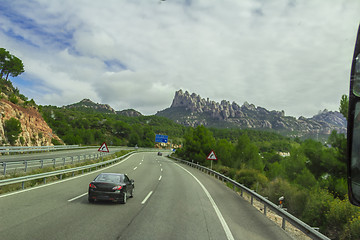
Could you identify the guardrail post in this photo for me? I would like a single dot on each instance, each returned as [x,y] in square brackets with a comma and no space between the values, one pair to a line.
[64,161]
[72,159]
[42,163]
[283,223]
[265,209]
[23,185]
[61,176]
[54,162]
[26,163]
[4,165]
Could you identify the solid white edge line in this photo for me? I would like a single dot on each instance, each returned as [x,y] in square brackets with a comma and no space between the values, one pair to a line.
[70,200]
[218,213]
[160,178]
[65,180]
[147,197]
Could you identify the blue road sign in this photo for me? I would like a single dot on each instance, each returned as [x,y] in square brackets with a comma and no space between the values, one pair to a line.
[161,138]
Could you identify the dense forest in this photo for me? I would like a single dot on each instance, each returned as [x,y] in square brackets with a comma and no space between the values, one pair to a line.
[88,127]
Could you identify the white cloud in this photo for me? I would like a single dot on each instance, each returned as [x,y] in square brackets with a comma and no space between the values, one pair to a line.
[283,55]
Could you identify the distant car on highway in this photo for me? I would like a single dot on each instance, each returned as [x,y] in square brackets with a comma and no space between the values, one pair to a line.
[114,187]
[159,153]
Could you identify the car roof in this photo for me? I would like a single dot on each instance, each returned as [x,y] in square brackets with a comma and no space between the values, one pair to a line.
[119,174]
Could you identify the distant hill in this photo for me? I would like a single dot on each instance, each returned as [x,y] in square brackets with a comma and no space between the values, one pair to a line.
[89,106]
[192,110]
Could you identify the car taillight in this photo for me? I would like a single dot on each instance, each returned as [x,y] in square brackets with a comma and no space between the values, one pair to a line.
[117,188]
[92,185]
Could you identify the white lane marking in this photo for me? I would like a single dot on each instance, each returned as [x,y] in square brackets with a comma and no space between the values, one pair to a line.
[218,213]
[147,197]
[160,164]
[139,163]
[161,169]
[135,168]
[160,178]
[65,180]
[70,200]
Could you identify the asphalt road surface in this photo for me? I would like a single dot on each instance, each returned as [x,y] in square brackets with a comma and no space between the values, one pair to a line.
[171,201]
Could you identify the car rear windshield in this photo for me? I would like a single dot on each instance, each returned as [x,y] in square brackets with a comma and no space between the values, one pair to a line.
[115,178]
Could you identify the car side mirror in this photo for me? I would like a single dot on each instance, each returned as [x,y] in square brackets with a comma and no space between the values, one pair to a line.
[353,128]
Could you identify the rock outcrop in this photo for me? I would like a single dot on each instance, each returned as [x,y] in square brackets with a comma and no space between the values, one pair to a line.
[192,110]
[35,131]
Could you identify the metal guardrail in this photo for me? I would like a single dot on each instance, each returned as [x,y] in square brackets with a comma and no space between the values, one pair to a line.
[24,179]
[25,165]
[23,149]
[286,217]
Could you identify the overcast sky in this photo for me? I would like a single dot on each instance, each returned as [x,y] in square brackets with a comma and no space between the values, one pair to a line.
[291,55]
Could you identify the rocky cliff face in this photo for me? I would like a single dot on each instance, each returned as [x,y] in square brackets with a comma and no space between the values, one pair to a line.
[192,110]
[35,131]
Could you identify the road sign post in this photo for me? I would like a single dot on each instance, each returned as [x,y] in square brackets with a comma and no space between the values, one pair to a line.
[211,157]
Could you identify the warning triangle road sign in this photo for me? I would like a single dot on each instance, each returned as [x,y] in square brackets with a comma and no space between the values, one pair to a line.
[211,156]
[103,148]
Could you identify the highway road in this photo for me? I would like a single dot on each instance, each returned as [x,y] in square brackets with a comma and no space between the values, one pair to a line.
[171,201]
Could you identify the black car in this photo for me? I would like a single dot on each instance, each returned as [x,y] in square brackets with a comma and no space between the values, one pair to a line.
[114,187]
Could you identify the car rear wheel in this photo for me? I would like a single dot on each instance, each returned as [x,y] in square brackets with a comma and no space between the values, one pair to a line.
[91,200]
[132,193]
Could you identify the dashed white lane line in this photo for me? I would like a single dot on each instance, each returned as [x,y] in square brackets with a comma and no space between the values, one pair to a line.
[135,168]
[147,197]
[161,169]
[70,200]
[160,178]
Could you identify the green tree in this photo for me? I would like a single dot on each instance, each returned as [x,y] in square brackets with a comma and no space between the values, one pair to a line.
[10,64]
[247,154]
[344,106]
[12,130]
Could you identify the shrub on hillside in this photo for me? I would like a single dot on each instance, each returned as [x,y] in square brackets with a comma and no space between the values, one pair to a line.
[251,178]
[340,213]
[295,197]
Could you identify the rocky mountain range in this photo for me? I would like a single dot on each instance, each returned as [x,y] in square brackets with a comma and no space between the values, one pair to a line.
[192,110]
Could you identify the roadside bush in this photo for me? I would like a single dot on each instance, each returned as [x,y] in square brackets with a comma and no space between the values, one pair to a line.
[12,130]
[339,215]
[352,229]
[317,205]
[294,196]
[251,178]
